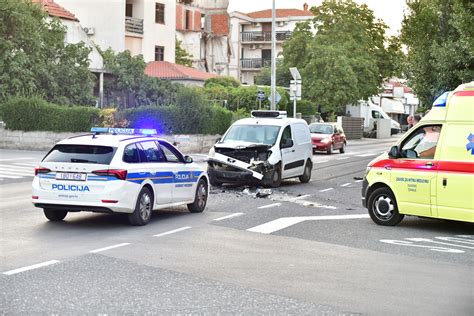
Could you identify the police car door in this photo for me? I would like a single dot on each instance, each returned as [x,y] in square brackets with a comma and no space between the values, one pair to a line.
[184,182]
[156,169]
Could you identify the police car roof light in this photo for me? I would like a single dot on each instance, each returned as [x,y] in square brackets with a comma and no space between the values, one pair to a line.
[269,114]
[123,131]
[441,100]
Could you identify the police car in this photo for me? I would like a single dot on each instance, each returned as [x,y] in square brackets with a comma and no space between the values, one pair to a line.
[116,170]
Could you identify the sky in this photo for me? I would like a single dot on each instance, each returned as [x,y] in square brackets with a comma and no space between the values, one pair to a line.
[390,11]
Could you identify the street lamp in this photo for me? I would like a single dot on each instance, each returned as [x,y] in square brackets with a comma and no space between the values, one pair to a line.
[273,76]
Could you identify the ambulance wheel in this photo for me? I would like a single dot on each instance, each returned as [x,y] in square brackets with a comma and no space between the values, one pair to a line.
[54,215]
[143,209]
[343,148]
[200,198]
[383,208]
[306,176]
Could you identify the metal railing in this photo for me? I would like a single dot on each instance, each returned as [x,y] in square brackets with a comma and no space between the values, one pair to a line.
[254,63]
[251,37]
[133,25]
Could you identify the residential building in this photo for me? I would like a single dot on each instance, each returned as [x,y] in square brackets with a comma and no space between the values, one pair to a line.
[251,37]
[177,73]
[144,27]
[202,27]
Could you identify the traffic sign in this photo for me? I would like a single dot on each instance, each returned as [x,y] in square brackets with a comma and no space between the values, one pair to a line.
[260,95]
[277,98]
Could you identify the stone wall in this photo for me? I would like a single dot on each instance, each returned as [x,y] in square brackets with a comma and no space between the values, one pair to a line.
[45,140]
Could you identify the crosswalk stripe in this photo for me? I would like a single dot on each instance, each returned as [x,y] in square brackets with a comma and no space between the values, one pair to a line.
[25,164]
[9,177]
[10,167]
[29,173]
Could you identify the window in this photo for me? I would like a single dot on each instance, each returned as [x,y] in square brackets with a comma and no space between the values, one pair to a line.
[170,153]
[129,10]
[160,13]
[188,20]
[376,114]
[159,53]
[81,154]
[152,152]
[422,143]
[286,135]
[130,154]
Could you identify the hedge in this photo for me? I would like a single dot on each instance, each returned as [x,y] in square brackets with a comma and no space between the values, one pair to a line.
[174,119]
[35,114]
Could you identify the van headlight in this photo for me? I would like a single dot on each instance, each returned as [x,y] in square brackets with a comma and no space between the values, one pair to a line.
[212,151]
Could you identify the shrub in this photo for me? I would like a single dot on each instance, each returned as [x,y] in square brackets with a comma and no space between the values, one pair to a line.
[228,82]
[35,114]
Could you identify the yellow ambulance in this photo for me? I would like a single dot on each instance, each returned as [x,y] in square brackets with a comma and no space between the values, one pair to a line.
[430,171]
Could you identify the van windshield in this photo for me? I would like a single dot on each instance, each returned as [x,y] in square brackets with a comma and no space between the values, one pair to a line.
[255,134]
[81,154]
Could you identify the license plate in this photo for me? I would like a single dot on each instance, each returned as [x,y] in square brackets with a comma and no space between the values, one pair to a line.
[73,176]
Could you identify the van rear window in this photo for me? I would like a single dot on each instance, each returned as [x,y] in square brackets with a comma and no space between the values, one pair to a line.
[81,154]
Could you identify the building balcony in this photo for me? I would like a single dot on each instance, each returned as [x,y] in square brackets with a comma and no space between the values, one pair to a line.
[263,37]
[133,25]
[254,64]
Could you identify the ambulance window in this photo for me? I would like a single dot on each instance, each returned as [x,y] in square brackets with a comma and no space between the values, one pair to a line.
[422,143]
[152,152]
[131,154]
[171,155]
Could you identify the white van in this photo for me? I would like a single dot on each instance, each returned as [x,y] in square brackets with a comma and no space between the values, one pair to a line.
[371,113]
[266,149]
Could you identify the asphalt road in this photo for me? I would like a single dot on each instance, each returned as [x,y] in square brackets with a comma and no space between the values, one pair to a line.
[304,249]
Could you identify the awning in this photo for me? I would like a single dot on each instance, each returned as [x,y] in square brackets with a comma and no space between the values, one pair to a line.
[392,106]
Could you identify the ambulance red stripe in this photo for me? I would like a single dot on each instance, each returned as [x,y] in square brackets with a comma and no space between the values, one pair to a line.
[467,93]
[423,165]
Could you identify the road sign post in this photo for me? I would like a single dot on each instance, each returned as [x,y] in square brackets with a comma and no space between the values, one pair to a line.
[295,87]
[260,97]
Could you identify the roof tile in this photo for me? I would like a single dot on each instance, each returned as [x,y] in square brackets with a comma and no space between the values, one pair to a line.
[280,13]
[54,9]
[167,70]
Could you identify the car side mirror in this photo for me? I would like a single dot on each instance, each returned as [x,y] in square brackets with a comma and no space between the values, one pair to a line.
[394,152]
[218,139]
[287,144]
[188,159]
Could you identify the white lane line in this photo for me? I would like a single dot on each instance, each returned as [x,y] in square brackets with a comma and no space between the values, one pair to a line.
[300,197]
[15,159]
[34,266]
[322,161]
[357,181]
[325,190]
[286,222]
[366,155]
[345,184]
[109,247]
[25,164]
[19,168]
[29,173]
[270,205]
[343,158]
[173,231]
[228,216]
[354,153]
[437,242]
[10,177]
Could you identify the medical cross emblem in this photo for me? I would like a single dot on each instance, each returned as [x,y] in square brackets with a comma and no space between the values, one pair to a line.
[470,145]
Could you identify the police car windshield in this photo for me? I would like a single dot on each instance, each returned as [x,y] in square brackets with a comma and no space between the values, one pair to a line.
[81,154]
[256,134]
[320,128]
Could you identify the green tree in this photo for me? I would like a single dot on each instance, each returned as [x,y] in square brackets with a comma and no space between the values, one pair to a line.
[182,56]
[345,59]
[439,35]
[35,60]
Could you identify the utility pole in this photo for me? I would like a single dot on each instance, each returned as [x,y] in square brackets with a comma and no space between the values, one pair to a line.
[273,77]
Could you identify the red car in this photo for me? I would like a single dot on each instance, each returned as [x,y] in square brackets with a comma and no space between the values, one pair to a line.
[327,137]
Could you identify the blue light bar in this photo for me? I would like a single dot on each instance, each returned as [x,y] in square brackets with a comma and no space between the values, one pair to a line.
[441,100]
[123,131]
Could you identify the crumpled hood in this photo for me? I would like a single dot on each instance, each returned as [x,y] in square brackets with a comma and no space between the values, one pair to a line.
[239,145]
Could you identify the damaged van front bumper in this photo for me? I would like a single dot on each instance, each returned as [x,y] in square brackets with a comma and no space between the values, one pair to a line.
[227,169]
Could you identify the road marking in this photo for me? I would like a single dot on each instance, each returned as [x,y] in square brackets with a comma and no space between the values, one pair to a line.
[437,242]
[228,216]
[459,240]
[108,248]
[325,190]
[26,173]
[323,161]
[366,155]
[173,231]
[357,181]
[299,200]
[300,197]
[346,184]
[354,153]
[15,159]
[270,205]
[13,167]
[25,164]
[343,158]
[34,266]
[410,244]
[9,177]
[285,222]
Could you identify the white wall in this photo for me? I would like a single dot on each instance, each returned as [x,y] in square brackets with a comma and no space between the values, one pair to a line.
[106,16]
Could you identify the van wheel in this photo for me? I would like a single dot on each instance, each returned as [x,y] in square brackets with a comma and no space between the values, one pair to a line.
[383,208]
[306,176]
[343,148]
[274,180]
[329,150]
[200,198]
[143,209]
[54,215]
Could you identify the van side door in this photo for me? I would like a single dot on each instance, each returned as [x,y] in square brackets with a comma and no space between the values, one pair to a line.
[292,162]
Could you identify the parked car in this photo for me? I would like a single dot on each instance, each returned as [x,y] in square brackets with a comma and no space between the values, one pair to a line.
[327,137]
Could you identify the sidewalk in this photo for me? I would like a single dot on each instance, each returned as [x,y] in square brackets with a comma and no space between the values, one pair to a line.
[365,141]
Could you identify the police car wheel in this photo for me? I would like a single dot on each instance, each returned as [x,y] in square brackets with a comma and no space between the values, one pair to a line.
[200,198]
[54,215]
[383,208]
[143,209]
[306,176]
